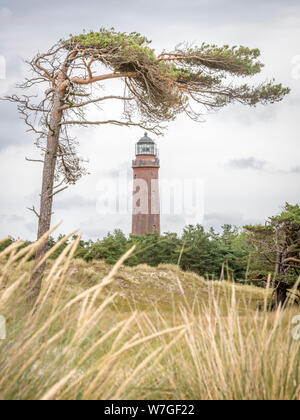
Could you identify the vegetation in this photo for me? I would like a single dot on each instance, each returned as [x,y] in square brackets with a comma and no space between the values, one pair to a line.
[248,255]
[156,89]
[102,332]
[205,253]
[277,246]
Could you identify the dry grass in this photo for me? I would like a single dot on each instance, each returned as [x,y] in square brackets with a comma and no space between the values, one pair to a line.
[99,332]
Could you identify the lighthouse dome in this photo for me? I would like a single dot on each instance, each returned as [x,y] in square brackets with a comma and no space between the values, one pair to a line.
[145,139]
[146,146]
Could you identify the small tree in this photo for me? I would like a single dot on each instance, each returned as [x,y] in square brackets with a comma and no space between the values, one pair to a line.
[233,252]
[199,251]
[156,89]
[277,246]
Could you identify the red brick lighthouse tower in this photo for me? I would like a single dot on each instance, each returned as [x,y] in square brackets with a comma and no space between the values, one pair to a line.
[146,203]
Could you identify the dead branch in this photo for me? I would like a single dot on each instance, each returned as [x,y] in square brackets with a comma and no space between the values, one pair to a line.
[57,192]
[33,160]
[92,101]
[34,211]
[83,81]
[291,259]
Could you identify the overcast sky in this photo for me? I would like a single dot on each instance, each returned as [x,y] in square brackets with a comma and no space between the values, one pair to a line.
[246,160]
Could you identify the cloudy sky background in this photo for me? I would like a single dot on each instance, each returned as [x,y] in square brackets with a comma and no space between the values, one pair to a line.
[246,158]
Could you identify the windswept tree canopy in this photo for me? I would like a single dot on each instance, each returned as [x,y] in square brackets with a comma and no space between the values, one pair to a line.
[191,79]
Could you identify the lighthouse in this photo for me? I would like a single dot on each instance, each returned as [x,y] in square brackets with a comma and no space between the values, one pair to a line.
[146,202]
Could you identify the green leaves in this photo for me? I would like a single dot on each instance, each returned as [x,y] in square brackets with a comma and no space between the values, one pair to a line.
[164,85]
[235,60]
[105,38]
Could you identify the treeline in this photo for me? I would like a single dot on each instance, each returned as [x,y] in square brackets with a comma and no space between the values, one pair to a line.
[251,253]
[205,253]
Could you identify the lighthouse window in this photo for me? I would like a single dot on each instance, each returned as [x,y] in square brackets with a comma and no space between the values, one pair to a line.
[146,149]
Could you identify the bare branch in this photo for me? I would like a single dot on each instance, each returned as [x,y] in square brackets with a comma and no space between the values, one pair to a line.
[34,160]
[91,101]
[82,81]
[58,185]
[296,260]
[154,128]
[57,192]
[34,211]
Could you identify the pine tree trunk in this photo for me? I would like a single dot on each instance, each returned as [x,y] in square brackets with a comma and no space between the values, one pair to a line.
[282,288]
[281,295]
[47,185]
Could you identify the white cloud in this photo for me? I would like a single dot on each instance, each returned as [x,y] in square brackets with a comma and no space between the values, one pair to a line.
[248,163]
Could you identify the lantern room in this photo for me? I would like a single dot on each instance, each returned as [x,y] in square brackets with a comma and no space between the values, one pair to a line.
[146,146]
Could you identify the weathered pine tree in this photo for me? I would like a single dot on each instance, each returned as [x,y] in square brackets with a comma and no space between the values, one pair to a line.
[277,250]
[156,89]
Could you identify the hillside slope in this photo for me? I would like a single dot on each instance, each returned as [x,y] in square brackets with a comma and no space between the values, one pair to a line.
[143,287]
